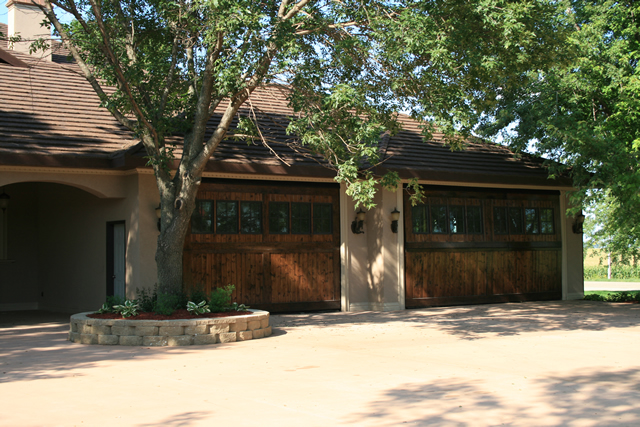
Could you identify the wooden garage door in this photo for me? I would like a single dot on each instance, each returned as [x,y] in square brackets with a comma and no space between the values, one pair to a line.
[277,244]
[467,247]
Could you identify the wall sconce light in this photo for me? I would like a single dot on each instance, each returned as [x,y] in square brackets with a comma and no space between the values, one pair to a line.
[395,216]
[577,225]
[358,223]
[159,215]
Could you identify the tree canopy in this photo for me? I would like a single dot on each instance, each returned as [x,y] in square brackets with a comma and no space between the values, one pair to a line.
[584,113]
[350,65]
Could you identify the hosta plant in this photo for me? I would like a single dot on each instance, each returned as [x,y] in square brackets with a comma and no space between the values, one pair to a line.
[105,309]
[198,309]
[239,307]
[128,309]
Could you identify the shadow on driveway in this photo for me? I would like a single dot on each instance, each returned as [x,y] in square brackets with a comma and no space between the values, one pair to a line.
[30,350]
[608,397]
[475,321]
[34,345]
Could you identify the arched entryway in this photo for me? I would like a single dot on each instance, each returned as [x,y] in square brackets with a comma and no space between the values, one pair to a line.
[57,256]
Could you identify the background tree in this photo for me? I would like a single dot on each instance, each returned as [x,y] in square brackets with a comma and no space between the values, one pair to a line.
[585,114]
[606,235]
[349,65]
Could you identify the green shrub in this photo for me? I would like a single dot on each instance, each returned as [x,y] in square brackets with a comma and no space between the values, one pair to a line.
[167,303]
[147,298]
[197,293]
[112,300]
[128,309]
[613,296]
[199,308]
[617,272]
[623,296]
[239,307]
[220,299]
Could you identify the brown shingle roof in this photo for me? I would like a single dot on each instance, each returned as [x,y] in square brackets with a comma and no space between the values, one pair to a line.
[48,109]
[479,161]
[405,152]
[50,114]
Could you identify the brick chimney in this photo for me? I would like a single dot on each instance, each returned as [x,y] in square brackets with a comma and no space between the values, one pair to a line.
[24,19]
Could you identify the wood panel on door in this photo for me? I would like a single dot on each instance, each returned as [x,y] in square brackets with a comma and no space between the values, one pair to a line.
[462,277]
[287,270]
[453,257]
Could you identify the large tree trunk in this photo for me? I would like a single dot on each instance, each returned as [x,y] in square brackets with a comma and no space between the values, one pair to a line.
[169,263]
[176,210]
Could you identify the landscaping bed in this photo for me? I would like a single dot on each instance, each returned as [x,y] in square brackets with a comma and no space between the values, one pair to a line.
[200,330]
[178,314]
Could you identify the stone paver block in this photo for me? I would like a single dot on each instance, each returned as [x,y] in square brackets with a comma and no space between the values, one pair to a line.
[195,330]
[108,339]
[220,328]
[244,335]
[130,340]
[83,328]
[177,333]
[171,330]
[101,330]
[154,341]
[228,337]
[144,331]
[254,324]
[238,326]
[88,339]
[175,341]
[205,339]
[123,330]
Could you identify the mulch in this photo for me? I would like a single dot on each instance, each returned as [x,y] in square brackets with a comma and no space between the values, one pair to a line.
[181,314]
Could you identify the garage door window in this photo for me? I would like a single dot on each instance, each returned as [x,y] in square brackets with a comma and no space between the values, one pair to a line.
[443,219]
[202,218]
[251,217]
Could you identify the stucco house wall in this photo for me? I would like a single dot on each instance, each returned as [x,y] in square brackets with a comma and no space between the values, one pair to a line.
[57,240]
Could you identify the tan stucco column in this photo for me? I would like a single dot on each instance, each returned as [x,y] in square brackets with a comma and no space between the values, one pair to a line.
[372,262]
[572,255]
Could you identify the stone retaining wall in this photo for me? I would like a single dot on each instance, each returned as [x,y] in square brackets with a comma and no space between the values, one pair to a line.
[85,330]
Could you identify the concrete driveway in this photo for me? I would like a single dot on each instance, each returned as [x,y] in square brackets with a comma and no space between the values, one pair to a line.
[611,286]
[553,363]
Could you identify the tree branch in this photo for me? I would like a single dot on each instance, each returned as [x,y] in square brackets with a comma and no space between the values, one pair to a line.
[122,80]
[129,39]
[48,11]
[332,26]
[282,9]
[297,8]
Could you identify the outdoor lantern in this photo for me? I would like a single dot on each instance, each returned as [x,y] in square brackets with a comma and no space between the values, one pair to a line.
[4,200]
[577,225]
[159,215]
[358,223]
[395,216]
